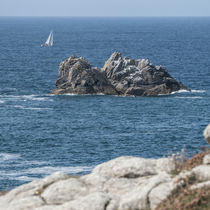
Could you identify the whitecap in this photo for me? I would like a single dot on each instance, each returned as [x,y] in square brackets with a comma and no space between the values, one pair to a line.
[36,98]
[8,156]
[24,178]
[36,108]
[8,89]
[198,91]
[34,162]
[100,94]
[124,96]
[1,102]
[70,94]
[180,91]
[30,174]
[89,94]
[26,98]
[30,108]
[19,106]
[46,170]
[190,97]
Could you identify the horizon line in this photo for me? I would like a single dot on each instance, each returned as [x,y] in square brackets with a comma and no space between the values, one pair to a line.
[83,16]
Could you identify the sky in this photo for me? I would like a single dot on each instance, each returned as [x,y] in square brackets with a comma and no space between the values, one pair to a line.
[104,7]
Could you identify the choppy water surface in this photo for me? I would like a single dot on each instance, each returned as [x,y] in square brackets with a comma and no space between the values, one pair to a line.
[41,134]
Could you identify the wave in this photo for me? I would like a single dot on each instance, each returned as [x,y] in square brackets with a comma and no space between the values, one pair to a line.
[180,91]
[1,102]
[33,162]
[32,169]
[31,174]
[184,91]
[46,170]
[198,91]
[75,94]
[8,156]
[27,97]
[187,91]
[8,90]
[190,97]
[36,98]
[24,178]
[70,94]
[30,108]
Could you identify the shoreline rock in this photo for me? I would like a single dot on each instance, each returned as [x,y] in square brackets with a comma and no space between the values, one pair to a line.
[206,134]
[119,76]
[123,183]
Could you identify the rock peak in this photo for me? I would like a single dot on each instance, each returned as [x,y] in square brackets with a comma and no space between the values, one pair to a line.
[119,76]
[115,56]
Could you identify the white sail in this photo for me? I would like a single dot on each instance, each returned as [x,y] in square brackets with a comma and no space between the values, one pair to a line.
[49,42]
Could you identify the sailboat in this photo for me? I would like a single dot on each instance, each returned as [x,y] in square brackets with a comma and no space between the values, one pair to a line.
[49,42]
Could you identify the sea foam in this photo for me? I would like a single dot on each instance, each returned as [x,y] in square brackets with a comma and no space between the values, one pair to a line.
[180,91]
[30,108]
[8,156]
[198,91]
[46,170]
[189,97]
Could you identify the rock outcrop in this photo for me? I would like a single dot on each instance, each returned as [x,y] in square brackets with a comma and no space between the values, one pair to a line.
[77,76]
[119,76]
[206,133]
[123,183]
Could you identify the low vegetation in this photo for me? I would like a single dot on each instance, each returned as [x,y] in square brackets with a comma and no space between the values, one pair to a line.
[184,198]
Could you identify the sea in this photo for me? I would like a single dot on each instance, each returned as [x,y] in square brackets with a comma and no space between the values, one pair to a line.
[42,133]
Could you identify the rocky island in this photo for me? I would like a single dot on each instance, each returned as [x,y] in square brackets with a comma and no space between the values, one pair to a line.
[124,183]
[119,76]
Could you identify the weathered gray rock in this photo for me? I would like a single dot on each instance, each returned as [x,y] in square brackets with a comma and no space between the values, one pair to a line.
[28,196]
[77,76]
[119,76]
[133,167]
[206,159]
[200,185]
[160,193]
[64,190]
[137,198]
[206,133]
[139,77]
[93,201]
[202,172]
[123,183]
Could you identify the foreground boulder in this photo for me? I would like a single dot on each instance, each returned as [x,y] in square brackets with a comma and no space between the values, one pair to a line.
[119,76]
[124,183]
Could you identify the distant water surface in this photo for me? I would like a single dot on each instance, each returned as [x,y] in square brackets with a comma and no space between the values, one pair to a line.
[41,134]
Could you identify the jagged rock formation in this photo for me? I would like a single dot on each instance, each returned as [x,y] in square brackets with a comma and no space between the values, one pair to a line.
[119,76]
[77,76]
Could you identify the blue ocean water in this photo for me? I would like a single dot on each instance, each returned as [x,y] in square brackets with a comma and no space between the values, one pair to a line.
[41,133]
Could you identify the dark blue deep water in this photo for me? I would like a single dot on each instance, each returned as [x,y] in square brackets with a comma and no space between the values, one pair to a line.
[41,134]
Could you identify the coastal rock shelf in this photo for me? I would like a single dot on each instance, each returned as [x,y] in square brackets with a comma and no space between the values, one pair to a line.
[119,76]
[123,183]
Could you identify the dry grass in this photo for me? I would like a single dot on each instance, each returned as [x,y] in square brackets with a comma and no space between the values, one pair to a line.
[183,198]
[186,199]
[196,160]
[182,164]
